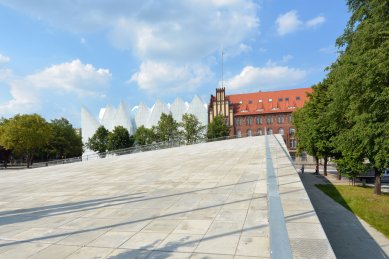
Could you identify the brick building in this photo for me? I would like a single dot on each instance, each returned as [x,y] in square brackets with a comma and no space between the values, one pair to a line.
[259,113]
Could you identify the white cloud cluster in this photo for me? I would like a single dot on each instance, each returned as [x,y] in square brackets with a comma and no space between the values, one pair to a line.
[55,85]
[157,76]
[4,59]
[315,21]
[290,22]
[269,77]
[168,32]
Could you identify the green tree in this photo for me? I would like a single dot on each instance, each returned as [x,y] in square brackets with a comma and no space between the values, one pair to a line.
[25,135]
[99,141]
[192,128]
[217,128]
[64,141]
[167,128]
[360,86]
[304,120]
[119,138]
[315,127]
[144,136]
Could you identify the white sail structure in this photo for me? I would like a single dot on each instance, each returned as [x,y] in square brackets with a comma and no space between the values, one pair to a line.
[131,119]
[89,125]
[177,109]
[142,115]
[156,112]
[122,118]
[108,118]
[198,109]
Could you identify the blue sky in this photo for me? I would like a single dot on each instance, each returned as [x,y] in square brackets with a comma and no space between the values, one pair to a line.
[56,56]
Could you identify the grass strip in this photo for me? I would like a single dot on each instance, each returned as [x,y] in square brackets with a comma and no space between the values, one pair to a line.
[374,209]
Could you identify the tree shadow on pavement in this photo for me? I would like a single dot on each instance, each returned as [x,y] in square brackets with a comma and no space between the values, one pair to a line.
[347,236]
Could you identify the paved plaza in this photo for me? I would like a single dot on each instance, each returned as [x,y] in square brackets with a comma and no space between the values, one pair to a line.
[210,200]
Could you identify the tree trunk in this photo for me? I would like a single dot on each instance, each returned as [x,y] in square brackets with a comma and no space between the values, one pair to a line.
[29,160]
[325,165]
[377,182]
[317,165]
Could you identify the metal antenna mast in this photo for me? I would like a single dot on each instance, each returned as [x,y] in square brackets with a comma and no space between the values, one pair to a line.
[222,68]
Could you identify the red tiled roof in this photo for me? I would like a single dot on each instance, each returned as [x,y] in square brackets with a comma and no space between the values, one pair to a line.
[269,102]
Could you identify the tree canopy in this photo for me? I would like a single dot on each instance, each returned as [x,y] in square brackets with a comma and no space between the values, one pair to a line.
[315,127]
[99,141]
[25,135]
[119,138]
[192,130]
[167,128]
[360,86]
[64,141]
[347,116]
[144,136]
[217,128]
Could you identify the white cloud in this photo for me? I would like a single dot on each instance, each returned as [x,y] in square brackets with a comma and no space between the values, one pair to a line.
[166,78]
[266,78]
[5,74]
[73,77]
[155,30]
[58,86]
[315,21]
[288,23]
[4,59]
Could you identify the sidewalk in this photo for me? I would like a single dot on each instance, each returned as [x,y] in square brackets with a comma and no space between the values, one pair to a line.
[350,236]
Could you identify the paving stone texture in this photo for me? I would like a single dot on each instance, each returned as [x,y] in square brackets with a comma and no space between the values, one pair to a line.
[202,201]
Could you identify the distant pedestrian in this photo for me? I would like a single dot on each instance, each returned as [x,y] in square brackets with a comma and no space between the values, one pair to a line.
[302,169]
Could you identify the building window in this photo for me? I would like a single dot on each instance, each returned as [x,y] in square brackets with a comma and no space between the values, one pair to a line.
[297,98]
[290,118]
[281,131]
[286,98]
[280,118]
[258,120]
[269,119]
[239,134]
[249,120]
[260,100]
[292,132]
[248,133]
[292,143]
[280,99]
[250,101]
[238,121]
[270,100]
[240,102]
[259,132]
[269,131]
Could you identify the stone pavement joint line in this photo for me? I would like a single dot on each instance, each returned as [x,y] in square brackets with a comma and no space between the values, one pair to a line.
[208,200]
[279,241]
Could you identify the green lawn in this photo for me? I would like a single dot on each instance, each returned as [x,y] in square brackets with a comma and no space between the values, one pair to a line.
[374,209]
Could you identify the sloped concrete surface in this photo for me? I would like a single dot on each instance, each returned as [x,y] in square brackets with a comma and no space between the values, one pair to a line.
[202,201]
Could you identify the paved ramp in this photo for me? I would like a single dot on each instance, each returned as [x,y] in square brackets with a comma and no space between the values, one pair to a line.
[238,198]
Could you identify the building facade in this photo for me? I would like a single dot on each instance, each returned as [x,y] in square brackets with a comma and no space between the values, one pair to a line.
[260,113]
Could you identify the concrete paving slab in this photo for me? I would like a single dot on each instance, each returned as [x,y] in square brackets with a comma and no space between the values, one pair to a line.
[91,252]
[207,200]
[55,251]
